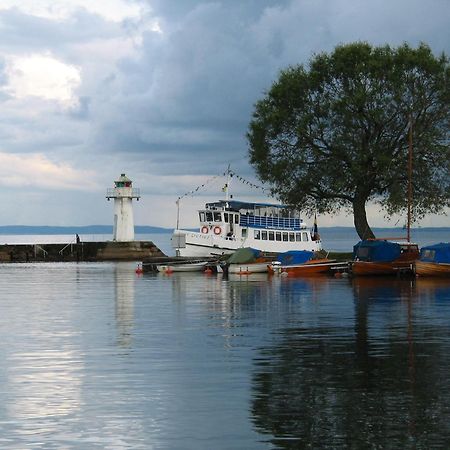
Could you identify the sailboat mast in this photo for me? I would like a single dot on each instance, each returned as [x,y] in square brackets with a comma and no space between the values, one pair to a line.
[410,157]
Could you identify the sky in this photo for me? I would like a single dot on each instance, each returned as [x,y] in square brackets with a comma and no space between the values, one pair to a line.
[162,90]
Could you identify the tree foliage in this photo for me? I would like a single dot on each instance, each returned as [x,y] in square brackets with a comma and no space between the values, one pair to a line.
[334,135]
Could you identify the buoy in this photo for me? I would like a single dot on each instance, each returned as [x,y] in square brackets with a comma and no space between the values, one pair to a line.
[208,270]
[217,230]
[139,269]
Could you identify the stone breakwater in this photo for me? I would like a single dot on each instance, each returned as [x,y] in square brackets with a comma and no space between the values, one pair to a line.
[82,251]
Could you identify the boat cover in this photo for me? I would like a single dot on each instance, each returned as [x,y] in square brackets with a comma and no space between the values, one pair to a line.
[294,257]
[376,251]
[438,253]
[243,256]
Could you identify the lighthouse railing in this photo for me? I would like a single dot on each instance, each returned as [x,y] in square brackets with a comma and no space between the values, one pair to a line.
[123,193]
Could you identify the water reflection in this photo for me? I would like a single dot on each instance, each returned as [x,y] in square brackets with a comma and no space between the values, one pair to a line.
[124,281]
[379,381]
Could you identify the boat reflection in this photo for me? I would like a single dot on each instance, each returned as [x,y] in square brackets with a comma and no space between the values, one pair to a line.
[383,369]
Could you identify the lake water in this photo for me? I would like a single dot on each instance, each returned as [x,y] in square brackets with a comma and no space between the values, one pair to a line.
[95,356]
[333,239]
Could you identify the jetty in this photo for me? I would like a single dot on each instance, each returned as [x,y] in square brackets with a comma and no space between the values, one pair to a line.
[80,251]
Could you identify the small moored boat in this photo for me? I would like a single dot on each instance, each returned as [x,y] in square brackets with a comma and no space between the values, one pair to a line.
[381,257]
[434,261]
[246,261]
[301,263]
[196,266]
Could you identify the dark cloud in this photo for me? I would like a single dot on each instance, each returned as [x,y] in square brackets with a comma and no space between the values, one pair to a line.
[191,90]
[180,102]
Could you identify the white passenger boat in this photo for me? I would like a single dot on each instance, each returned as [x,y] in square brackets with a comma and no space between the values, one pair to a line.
[228,225]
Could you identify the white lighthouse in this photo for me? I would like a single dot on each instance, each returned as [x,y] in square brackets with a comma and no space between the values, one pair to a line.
[123,194]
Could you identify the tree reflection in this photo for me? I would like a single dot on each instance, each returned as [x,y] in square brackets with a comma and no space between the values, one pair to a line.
[380,382]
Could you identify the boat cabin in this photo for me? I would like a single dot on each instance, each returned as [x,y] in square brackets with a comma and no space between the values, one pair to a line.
[236,219]
[437,253]
[373,250]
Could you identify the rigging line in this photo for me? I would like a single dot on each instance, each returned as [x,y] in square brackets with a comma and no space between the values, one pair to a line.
[198,188]
[249,183]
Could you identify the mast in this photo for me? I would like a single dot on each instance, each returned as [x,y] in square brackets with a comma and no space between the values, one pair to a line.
[227,185]
[410,160]
[178,212]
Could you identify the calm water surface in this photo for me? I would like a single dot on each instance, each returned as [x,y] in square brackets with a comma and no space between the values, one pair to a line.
[94,357]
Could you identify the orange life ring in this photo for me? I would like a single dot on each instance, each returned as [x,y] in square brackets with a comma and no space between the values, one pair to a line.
[205,229]
[217,230]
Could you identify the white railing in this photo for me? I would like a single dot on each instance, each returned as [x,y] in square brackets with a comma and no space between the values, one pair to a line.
[123,193]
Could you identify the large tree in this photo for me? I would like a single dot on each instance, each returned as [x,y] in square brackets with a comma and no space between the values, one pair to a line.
[334,135]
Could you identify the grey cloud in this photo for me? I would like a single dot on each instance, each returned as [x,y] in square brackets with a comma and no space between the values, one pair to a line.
[22,31]
[181,103]
[190,94]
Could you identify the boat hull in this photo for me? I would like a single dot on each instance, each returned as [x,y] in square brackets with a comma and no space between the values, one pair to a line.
[313,267]
[188,267]
[369,268]
[430,269]
[190,243]
[248,268]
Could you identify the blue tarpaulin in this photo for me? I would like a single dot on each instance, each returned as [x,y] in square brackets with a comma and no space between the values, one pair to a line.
[376,251]
[438,253]
[294,257]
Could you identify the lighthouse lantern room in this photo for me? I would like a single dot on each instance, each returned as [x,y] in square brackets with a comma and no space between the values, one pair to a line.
[123,194]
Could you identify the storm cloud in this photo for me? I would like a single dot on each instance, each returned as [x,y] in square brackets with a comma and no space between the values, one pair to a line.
[162,90]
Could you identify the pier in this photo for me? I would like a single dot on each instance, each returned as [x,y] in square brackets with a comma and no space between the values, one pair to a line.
[81,251]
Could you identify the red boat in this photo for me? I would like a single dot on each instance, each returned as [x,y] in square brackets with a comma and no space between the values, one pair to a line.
[302,263]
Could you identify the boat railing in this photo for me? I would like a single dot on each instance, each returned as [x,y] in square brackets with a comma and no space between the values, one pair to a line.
[286,223]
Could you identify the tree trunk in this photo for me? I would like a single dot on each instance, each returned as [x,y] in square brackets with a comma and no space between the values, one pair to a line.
[360,219]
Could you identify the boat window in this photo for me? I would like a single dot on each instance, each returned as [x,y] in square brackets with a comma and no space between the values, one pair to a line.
[226,217]
[278,236]
[264,235]
[202,216]
[291,237]
[257,234]
[285,237]
[236,218]
[209,216]
[305,236]
[298,237]
[244,232]
[271,236]
[217,217]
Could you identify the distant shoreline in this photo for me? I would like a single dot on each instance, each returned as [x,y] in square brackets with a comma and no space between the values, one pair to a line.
[144,229]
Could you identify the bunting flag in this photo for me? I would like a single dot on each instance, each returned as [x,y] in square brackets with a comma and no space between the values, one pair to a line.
[191,193]
[226,173]
[249,183]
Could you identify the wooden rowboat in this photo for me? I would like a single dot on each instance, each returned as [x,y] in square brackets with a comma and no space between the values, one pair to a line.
[434,261]
[431,269]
